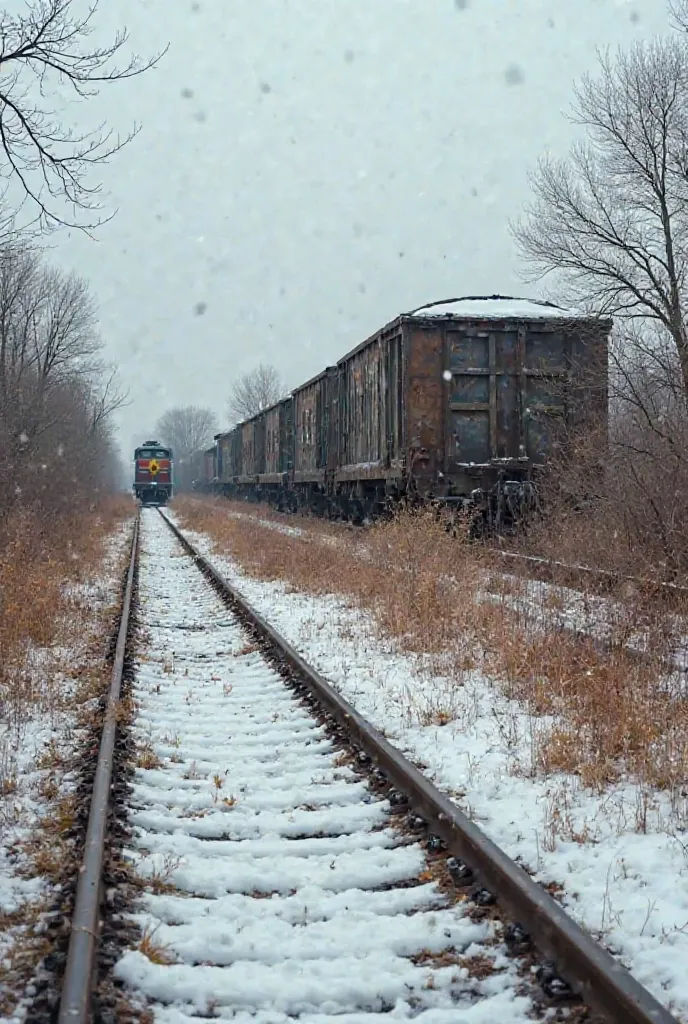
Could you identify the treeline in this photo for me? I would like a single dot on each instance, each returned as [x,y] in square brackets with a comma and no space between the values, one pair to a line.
[57,449]
[56,393]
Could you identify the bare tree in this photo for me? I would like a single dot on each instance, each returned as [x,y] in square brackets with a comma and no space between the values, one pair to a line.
[43,49]
[258,389]
[610,223]
[612,220]
[188,431]
[48,333]
[56,395]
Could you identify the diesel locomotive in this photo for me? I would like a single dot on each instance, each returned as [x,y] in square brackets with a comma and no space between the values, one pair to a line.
[459,402]
[153,473]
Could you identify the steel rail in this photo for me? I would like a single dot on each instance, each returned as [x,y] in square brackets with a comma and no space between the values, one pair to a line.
[553,564]
[601,981]
[79,980]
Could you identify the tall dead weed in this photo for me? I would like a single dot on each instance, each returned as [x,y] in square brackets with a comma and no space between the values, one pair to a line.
[40,565]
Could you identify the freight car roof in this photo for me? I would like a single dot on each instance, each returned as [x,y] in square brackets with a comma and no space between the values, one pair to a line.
[495,307]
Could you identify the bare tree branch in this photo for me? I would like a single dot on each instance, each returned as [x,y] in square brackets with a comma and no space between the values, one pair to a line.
[253,391]
[105,399]
[612,221]
[679,12]
[41,50]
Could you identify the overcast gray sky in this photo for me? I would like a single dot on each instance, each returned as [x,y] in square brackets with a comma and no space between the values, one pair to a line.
[307,169]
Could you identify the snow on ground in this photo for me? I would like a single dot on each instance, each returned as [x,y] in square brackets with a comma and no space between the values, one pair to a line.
[626,886]
[29,752]
[289,880]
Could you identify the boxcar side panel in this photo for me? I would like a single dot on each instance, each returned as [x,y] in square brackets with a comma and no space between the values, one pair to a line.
[509,388]
[328,421]
[209,465]
[272,439]
[236,449]
[392,391]
[370,414]
[286,435]
[364,392]
[247,450]
[225,458]
[307,413]
[425,399]
[259,423]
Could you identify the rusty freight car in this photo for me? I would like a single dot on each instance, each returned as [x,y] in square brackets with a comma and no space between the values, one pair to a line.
[252,451]
[316,451]
[463,400]
[459,401]
[274,483]
[229,460]
[208,477]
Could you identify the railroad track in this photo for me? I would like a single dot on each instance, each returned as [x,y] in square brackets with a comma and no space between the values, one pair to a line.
[552,570]
[289,862]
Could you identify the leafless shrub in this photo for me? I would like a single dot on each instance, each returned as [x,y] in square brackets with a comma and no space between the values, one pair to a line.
[616,492]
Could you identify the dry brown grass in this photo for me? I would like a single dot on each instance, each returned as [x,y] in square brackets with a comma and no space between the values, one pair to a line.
[155,951]
[600,714]
[52,649]
[38,563]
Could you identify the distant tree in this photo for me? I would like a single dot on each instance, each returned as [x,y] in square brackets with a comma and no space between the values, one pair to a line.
[45,47]
[612,220]
[188,431]
[258,389]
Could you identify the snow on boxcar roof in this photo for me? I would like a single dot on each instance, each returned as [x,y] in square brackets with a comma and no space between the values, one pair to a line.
[495,307]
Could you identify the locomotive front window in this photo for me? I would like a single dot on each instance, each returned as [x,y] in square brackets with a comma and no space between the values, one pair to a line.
[153,453]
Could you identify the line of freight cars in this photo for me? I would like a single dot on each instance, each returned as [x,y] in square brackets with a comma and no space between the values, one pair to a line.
[459,401]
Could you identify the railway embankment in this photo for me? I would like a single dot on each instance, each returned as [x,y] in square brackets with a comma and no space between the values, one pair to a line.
[569,753]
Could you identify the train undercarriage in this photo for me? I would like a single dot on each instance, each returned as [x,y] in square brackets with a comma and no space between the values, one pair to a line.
[499,508]
[152,496]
